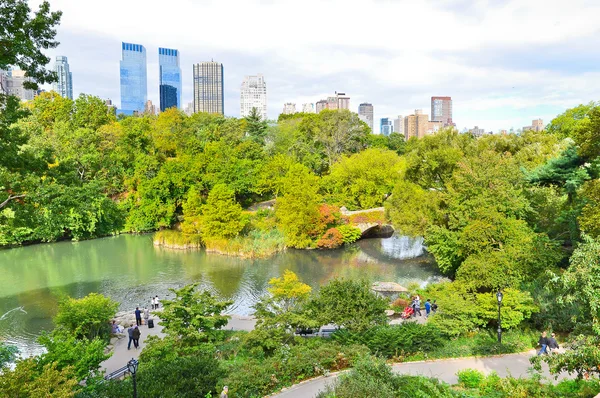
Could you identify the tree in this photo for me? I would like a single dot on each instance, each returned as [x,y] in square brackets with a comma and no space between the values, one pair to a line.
[7,353]
[192,212]
[256,127]
[363,180]
[23,37]
[193,316]
[280,312]
[589,220]
[350,304]
[27,380]
[222,215]
[297,210]
[341,132]
[88,317]
[412,209]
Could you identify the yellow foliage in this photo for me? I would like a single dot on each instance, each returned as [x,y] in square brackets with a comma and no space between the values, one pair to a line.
[288,287]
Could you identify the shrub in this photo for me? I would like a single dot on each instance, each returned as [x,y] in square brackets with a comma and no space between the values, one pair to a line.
[332,239]
[349,233]
[394,340]
[87,317]
[470,378]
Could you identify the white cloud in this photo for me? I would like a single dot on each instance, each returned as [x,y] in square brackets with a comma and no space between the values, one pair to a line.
[395,54]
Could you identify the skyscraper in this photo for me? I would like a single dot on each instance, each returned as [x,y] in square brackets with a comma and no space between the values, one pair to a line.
[308,108]
[289,108]
[64,85]
[254,95]
[386,126]
[441,110]
[399,125]
[169,78]
[416,125]
[208,87]
[14,85]
[134,82]
[365,112]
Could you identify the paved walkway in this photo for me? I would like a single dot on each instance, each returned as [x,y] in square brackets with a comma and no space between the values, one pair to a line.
[121,355]
[516,365]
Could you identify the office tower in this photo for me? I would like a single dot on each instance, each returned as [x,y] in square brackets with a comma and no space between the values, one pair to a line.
[434,126]
[109,104]
[322,104]
[289,108]
[3,82]
[208,87]
[169,78]
[477,132]
[308,108]
[64,85]
[15,80]
[416,125]
[254,95]
[365,112]
[441,110]
[134,82]
[399,125]
[149,108]
[536,125]
[386,126]
[343,101]
[189,109]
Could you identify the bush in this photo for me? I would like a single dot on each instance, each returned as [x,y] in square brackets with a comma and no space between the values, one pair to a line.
[349,233]
[332,239]
[394,340]
[470,378]
[88,317]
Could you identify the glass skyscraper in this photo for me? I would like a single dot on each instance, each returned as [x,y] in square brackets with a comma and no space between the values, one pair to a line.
[208,87]
[64,84]
[134,84]
[170,78]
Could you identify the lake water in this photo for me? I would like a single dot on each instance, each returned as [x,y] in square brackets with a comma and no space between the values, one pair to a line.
[129,269]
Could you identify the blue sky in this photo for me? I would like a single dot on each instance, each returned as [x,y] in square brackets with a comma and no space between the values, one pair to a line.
[504,63]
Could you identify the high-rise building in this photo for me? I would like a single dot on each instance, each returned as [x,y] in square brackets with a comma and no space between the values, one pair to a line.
[308,108]
[289,108]
[189,109]
[477,132]
[134,78]
[434,126]
[386,126]
[149,108]
[3,82]
[322,104]
[15,80]
[365,112]
[416,125]
[254,95]
[64,84]
[109,104]
[399,125]
[208,87]
[169,78]
[536,125]
[441,110]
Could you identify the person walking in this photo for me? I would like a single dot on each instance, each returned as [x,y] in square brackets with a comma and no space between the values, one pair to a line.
[130,333]
[434,306]
[414,307]
[138,316]
[552,343]
[418,306]
[543,342]
[146,315]
[427,307]
[152,302]
[136,336]
[224,393]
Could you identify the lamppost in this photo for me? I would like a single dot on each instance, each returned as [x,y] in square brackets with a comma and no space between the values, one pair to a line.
[499,296]
[132,367]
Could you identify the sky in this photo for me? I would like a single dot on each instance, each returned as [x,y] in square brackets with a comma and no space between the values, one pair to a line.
[503,62]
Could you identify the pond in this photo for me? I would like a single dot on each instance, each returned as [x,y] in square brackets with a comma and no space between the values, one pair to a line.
[130,270]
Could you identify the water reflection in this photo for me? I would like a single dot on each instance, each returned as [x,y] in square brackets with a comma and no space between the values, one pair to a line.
[130,270]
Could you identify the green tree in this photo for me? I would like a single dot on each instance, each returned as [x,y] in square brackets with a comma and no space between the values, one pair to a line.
[192,212]
[350,304]
[363,180]
[7,353]
[298,209]
[193,316]
[256,128]
[589,220]
[24,36]
[88,317]
[341,132]
[28,380]
[221,215]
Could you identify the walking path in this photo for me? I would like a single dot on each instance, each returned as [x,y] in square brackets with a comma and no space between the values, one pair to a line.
[516,365]
[121,355]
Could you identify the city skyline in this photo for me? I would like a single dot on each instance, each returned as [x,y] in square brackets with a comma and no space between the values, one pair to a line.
[504,76]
